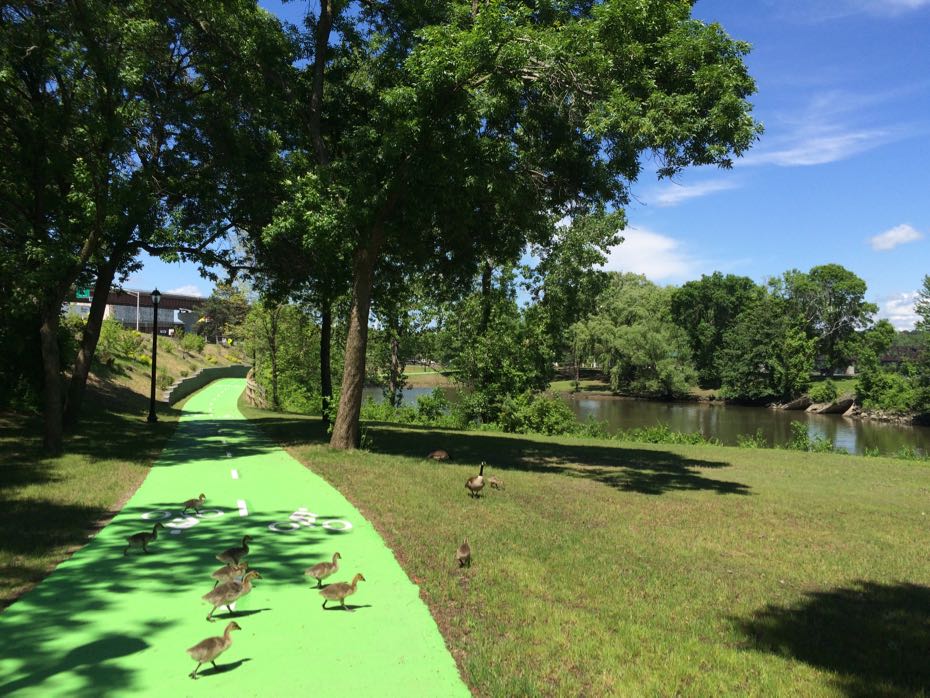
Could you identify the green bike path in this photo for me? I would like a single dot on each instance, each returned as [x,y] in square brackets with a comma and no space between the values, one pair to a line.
[107,624]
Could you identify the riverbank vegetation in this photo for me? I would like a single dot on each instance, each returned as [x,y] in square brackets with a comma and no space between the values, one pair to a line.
[620,569]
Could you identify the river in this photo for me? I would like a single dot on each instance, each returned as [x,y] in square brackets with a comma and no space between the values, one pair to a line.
[727,422]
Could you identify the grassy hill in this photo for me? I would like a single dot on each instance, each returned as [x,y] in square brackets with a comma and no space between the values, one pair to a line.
[49,507]
[636,570]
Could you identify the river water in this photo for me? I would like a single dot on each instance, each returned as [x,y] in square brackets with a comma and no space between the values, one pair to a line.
[727,422]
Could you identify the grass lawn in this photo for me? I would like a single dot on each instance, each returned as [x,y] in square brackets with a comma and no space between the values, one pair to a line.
[419,376]
[606,569]
[584,386]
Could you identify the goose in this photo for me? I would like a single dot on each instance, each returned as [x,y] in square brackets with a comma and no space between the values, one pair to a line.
[211,648]
[232,556]
[476,482]
[340,590]
[227,592]
[228,573]
[495,482]
[141,540]
[194,504]
[463,554]
[322,570]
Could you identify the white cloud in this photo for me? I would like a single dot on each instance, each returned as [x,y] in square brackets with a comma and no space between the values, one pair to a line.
[893,237]
[674,194]
[899,310]
[188,290]
[830,145]
[658,257]
[827,10]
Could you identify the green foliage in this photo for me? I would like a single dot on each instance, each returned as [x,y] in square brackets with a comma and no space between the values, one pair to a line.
[766,354]
[633,337]
[537,413]
[661,434]
[431,408]
[193,343]
[118,342]
[756,440]
[825,391]
[511,356]
[705,310]
[801,441]
[830,302]
[164,380]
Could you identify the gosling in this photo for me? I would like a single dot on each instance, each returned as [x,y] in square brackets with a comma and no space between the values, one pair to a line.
[340,590]
[232,556]
[141,540]
[438,454]
[322,570]
[226,593]
[228,573]
[476,482]
[463,554]
[495,482]
[194,504]
[211,648]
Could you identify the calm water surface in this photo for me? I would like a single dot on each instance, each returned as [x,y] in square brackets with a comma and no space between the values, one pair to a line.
[726,423]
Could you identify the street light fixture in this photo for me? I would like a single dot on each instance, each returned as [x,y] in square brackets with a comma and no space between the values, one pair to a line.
[156,297]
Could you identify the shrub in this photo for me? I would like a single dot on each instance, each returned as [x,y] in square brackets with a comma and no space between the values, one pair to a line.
[661,434]
[537,413]
[164,380]
[756,440]
[193,343]
[433,407]
[823,392]
[801,441]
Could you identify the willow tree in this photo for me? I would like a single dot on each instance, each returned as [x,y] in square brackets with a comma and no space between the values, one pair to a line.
[453,132]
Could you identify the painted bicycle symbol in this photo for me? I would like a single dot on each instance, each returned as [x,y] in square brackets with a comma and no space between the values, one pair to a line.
[304,518]
[178,523]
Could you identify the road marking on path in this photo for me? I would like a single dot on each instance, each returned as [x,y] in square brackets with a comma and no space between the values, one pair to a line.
[235,474]
[243,510]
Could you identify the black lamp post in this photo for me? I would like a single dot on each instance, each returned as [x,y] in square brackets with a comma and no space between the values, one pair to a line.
[156,297]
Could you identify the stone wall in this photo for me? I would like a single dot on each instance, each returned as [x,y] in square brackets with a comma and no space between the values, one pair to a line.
[186,386]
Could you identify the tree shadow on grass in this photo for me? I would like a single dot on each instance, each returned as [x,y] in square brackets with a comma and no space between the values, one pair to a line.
[874,636]
[622,467]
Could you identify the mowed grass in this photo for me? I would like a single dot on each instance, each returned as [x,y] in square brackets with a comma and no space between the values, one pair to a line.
[606,569]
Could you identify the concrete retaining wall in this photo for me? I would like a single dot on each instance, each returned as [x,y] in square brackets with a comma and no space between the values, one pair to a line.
[186,386]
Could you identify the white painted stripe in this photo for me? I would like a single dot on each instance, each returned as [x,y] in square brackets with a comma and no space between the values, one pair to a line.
[175,531]
[243,510]
[235,474]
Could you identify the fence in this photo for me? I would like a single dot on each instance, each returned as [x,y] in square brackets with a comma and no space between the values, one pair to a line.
[255,393]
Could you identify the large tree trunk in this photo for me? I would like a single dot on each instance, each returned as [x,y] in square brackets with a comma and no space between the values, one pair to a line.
[326,378]
[89,341]
[51,370]
[346,433]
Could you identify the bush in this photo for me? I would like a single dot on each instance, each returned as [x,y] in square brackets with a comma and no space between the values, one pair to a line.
[756,440]
[193,343]
[164,380]
[433,407]
[823,392]
[537,413]
[661,434]
[801,441]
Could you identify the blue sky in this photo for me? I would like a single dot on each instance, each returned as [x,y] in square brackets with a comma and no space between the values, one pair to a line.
[840,174]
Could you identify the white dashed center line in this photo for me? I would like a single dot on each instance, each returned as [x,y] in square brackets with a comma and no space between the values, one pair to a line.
[243,510]
[235,474]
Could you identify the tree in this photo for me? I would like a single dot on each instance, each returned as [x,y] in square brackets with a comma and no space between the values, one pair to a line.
[831,302]
[706,309]
[126,130]
[543,112]
[222,312]
[632,336]
[922,308]
[766,353]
